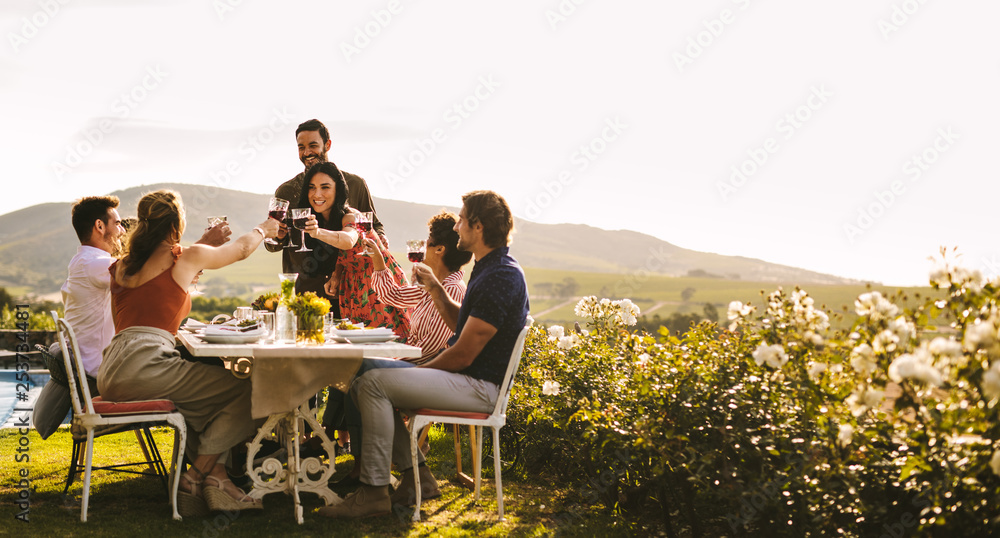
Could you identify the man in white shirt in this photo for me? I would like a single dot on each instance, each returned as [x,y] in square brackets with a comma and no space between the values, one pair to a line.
[86,293]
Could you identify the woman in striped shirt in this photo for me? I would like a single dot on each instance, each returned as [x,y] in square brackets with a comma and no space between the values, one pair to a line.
[427,330]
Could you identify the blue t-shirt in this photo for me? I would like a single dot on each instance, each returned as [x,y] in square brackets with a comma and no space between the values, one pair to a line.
[497,294]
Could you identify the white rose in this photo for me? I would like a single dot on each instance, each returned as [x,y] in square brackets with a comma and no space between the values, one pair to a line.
[550,388]
[903,329]
[774,356]
[735,309]
[643,360]
[816,368]
[845,435]
[980,335]
[885,341]
[813,338]
[556,332]
[567,342]
[863,359]
[909,366]
[945,347]
[584,308]
[991,381]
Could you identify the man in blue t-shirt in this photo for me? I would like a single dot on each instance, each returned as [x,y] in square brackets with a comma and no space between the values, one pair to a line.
[463,377]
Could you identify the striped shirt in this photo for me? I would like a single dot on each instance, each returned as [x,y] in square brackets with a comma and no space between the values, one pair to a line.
[427,330]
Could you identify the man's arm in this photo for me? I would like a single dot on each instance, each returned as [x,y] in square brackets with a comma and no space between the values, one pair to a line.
[475,334]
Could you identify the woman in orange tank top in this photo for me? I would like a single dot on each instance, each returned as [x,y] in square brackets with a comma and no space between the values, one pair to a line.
[149,299]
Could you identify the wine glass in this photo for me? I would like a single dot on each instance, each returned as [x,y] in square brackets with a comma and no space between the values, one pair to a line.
[215,221]
[363,223]
[276,210]
[415,249]
[299,217]
[194,291]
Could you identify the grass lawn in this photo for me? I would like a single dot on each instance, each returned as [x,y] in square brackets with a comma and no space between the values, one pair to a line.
[130,505]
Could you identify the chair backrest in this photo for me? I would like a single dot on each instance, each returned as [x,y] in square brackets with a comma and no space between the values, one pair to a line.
[75,373]
[508,378]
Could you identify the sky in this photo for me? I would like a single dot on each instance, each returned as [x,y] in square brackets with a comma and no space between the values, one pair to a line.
[853,138]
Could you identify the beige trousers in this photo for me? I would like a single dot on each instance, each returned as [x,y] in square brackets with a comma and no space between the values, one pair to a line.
[141,363]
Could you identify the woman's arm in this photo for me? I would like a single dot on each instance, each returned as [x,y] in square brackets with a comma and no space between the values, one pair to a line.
[201,256]
[392,294]
[344,239]
[445,304]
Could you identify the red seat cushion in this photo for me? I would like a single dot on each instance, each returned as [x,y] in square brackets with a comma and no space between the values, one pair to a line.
[459,414]
[140,407]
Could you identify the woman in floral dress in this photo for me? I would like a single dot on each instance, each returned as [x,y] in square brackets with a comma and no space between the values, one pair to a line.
[325,190]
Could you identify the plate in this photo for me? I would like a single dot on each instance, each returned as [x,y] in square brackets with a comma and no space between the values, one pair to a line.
[356,333]
[235,338]
[364,338]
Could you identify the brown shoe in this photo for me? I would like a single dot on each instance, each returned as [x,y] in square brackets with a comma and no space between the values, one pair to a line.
[364,502]
[406,494]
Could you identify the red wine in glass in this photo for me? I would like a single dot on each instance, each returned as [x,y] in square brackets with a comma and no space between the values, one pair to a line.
[276,209]
[291,236]
[300,216]
[415,257]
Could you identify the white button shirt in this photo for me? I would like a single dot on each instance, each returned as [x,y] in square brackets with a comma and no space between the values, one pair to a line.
[87,302]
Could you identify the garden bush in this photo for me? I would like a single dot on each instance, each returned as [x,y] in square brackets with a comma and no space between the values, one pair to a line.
[775,424]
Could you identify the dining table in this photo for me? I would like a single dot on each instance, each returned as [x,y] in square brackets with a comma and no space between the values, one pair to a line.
[283,378]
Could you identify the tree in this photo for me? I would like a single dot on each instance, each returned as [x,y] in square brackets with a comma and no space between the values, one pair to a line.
[568,287]
[711,313]
[687,293]
[6,299]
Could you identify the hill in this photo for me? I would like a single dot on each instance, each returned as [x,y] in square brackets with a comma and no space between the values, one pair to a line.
[37,242]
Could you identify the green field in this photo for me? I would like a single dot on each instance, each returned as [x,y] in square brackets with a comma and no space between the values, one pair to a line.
[260,272]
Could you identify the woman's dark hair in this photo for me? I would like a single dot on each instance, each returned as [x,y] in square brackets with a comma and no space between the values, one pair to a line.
[160,218]
[442,232]
[322,260]
[339,209]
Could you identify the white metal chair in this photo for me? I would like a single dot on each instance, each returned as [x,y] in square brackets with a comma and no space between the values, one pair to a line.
[93,413]
[495,420]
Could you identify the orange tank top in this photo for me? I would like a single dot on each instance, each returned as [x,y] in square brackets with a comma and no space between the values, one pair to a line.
[160,302]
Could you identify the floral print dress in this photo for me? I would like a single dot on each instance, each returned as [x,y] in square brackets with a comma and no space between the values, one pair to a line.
[358,301]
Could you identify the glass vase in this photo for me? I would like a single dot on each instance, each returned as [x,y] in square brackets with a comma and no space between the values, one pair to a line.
[310,330]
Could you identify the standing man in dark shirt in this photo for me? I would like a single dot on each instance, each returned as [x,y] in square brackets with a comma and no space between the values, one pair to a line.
[314,268]
[464,377]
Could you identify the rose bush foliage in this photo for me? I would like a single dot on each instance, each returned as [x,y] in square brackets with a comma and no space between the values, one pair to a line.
[777,424]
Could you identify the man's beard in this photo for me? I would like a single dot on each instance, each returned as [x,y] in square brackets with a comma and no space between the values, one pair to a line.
[117,245]
[321,158]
